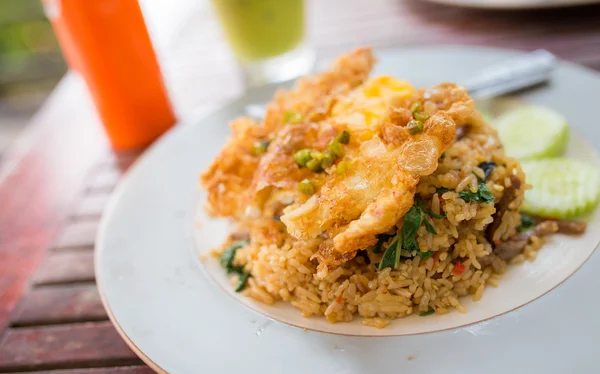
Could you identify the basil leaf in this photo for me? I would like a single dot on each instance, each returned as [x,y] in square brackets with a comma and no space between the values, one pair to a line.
[430,228]
[425,208]
[425,254]
[435,215]
[526,223]
[229,254]
[380,240]
[468,196]
[428,312]
[483,194]
[391,257]
[441,190]
[227,262]
[235,269]
[242,282]
[487,168]
[412,222]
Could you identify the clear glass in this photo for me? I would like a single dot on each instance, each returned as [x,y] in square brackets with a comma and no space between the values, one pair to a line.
[267,38]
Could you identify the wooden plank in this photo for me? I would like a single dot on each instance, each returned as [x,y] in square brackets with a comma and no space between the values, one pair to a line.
[121,161]
[103,180]
[86,345]
[66,267]
[107,174]
[78,234]
[60,304]
[138,369]
[40,177]
[91,205]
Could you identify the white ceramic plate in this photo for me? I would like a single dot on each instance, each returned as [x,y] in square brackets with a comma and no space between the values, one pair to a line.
[515,4]
[179,321]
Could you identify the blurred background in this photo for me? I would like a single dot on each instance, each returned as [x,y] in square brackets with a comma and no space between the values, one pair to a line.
[31,64]
[199,67]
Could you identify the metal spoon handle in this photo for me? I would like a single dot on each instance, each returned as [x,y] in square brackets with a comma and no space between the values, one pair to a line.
[511,75]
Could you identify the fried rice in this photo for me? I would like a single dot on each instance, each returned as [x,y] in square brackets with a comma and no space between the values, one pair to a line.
[455,257]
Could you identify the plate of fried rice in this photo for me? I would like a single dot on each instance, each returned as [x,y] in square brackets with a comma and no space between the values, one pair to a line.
[373,199]
[360,199]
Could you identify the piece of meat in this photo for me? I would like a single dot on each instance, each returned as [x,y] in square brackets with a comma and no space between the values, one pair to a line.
[516,244]
[497,264]
[240,235]
[510,193]
[511,248]
[485,260]
[571,227]
[565,226]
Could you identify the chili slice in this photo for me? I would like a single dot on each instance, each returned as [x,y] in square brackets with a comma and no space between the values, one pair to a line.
[459,268]
[436,257]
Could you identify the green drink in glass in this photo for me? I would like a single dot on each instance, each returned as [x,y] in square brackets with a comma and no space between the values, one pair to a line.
[267,37]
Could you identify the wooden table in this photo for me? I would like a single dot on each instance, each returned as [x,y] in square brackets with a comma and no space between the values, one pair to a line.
[55,181]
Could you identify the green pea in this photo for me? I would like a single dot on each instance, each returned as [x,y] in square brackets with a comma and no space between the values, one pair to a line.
[417,106]
[314,165]
[316,155]
[260,147]
[306,187]
[292,117]
[421,116]
[343,137]
[302,157]
[414,127]
[328,159]
[336,149]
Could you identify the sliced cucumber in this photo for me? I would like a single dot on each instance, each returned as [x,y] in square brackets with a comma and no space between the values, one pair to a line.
[562,188]
[532,132]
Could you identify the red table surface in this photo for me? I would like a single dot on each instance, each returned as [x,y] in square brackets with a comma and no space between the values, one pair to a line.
[56,179]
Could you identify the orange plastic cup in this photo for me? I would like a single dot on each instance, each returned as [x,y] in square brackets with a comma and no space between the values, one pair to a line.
[108,43]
